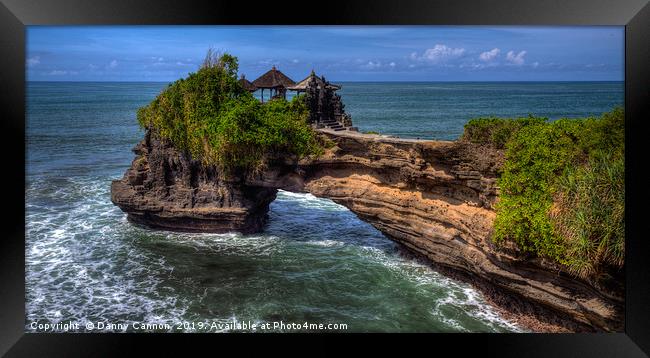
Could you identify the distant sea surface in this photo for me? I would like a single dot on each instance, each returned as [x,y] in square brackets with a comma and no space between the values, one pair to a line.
[439,110]
[315,262]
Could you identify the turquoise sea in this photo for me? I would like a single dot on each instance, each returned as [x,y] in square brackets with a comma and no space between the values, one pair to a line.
[315,262]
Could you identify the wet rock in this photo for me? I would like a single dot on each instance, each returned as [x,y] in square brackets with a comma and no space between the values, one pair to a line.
[434,197]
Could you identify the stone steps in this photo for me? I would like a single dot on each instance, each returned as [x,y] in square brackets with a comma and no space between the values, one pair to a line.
[332,124]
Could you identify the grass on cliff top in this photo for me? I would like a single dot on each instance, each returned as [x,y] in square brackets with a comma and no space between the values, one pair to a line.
[210,116]
[562,188]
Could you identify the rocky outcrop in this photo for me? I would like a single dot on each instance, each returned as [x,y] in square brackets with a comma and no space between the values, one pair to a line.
[434,197]
[165,189]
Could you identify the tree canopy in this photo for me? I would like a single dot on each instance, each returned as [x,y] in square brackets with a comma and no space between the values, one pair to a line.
[212,118]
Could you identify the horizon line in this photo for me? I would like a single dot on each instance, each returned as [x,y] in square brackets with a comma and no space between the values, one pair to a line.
[377,81]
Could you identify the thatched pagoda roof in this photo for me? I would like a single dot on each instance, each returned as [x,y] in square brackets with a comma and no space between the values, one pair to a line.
[273,79]
[302,85]
[246,84]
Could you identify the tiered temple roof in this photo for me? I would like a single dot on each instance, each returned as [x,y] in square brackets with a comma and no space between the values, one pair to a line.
[246,84]
[273,79]
[325,106]
[304,84]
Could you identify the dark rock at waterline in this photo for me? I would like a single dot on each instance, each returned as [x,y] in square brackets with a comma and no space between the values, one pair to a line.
[434,197]
[165,189]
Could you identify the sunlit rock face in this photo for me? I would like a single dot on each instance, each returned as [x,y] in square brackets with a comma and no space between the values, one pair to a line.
[434,197]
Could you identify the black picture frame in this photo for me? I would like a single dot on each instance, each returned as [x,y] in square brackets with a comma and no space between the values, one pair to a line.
[16,14]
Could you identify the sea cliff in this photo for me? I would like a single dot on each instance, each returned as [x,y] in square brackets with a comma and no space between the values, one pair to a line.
[434,197]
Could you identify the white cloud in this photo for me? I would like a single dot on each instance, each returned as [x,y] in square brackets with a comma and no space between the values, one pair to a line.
[439,53]
[372,65]
[535,64]
[489,55]
[62,72]
[473,66]
[33,61]
[392,64]
[517,59]
[295,60]
[267,62]
[113,64]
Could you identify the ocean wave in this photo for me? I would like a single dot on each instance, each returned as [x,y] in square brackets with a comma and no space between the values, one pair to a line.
[85,262]
[452,293]
[309,201]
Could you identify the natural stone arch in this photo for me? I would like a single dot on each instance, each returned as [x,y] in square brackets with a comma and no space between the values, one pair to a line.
[434,197]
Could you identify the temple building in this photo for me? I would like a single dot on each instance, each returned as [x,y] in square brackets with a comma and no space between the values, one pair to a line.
[326,110]
[275,81]
[246,84]
[303,85]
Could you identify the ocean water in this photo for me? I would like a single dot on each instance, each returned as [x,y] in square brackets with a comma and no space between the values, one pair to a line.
[315,262]
[439,110]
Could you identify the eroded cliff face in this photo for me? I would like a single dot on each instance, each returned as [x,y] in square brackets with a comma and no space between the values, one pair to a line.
[434,197]
[165,189]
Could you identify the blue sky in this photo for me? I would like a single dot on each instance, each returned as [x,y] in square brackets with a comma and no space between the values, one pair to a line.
[350,53]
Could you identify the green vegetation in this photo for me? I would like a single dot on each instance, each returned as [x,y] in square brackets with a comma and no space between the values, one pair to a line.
[562,188]
[371,132]
[211,117]
[496,131]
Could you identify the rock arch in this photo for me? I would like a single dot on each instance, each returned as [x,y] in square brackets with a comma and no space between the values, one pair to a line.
[434,197]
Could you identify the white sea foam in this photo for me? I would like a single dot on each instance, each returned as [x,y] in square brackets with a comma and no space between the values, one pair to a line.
[69,272]
[86,262]
[326,243]
[376,248]
[307,200]
[455,294]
